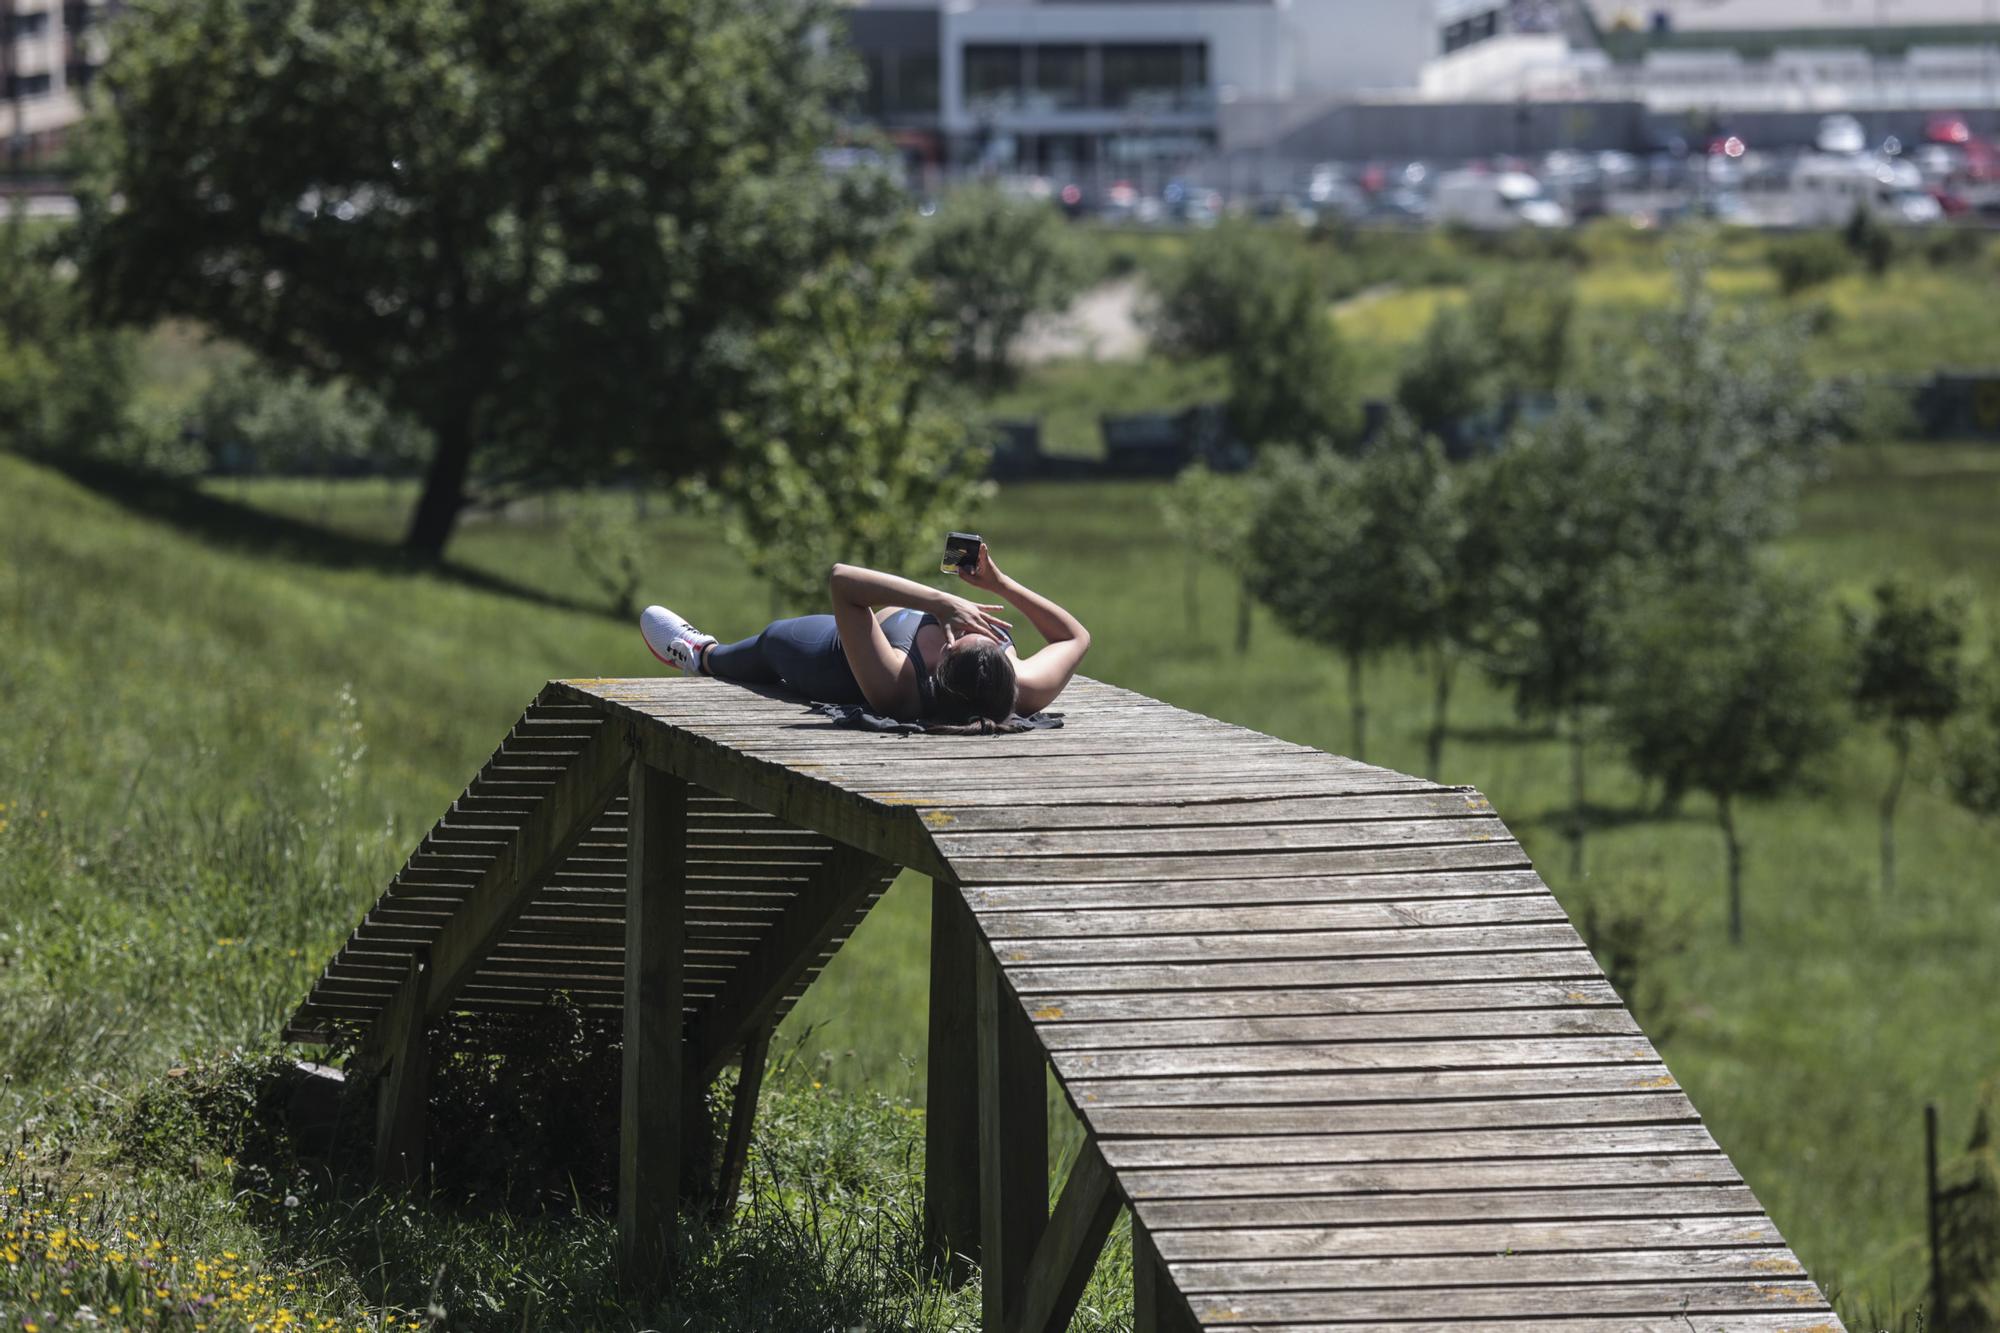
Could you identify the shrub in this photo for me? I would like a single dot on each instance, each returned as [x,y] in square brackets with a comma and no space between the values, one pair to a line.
[1805,262]
[252,419]
[1871,241]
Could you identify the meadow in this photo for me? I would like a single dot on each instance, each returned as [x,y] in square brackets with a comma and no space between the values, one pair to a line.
[232,709]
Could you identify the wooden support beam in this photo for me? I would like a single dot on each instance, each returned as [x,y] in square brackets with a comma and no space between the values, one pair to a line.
[1062,1263]
[1157,1305]
[650,1125]
[403,1095]
[951,1087]
[751,995]
[742,1120]
[894,833]
[1013,1148]
[575,803]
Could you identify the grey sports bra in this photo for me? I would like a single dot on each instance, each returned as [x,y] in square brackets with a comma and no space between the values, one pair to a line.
[900,630]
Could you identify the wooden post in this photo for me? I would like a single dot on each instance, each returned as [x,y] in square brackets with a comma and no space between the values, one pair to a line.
[951,1094]
[1013,1148]
[742,1120]
[1157,1305]
[651,1109]
[1070,1244]
[403,1096]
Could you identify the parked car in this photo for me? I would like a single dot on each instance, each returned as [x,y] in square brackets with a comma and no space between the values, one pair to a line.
[1495,199]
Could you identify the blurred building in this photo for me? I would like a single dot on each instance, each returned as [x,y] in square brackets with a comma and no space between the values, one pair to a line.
[50,51]
[1094,85]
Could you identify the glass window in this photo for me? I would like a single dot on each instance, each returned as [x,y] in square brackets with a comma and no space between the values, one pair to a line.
[25,25]
[1156,76]
[874,93]
[917,82]
[1062,78]
[993,78]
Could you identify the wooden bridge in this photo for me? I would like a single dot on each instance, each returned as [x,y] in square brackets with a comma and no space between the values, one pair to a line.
[1333,1042]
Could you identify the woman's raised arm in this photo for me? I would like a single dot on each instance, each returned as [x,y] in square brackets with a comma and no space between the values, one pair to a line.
[1040,678]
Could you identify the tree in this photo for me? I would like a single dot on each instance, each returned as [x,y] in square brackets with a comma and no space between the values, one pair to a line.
[1204,300]
[1731,684]
[1288,375]
[1972,754]
[542,229]
[1446,379]
[1332,553]
[1210,515]
[1554,530]
[65,388]
[853,366]
[1508,342]
[992,261]
[1906,673]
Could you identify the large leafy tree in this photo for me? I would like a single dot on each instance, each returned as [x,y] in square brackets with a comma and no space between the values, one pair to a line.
[536,227]
[993,261]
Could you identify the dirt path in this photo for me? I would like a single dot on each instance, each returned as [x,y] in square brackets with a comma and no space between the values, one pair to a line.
[1102,325]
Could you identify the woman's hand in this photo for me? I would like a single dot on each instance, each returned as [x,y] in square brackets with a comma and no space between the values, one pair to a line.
[985,574]
[960,615]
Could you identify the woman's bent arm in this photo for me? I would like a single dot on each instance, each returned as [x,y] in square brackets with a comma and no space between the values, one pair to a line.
[879,669]
[1040,678]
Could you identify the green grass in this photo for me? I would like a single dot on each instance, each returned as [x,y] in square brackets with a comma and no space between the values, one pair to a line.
[238,720]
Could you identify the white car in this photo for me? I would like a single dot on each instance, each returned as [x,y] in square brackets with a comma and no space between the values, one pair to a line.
[1495,200]
[1840,134]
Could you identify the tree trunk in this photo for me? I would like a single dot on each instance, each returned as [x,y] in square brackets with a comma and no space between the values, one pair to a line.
[1446,665]
[439,506]
[1727,815]
[1191,594]
[1899,735]
[1358,705]
[1576,793]
[1242,618]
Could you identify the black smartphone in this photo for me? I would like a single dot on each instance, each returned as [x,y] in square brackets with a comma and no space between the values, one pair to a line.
[961,552]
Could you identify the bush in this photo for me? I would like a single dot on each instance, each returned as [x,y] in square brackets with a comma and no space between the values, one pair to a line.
[252,420]
[1870,240]
[1633,933]
[992,262]
[1805,262]
[65,388]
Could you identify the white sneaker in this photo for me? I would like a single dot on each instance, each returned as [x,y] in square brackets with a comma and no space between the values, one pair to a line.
[673,640]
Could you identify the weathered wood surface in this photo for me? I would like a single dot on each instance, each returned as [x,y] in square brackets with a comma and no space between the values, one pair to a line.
[1333,1040]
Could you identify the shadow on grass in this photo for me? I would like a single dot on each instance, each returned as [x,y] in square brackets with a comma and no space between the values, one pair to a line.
[1598,818]
[1502,734]
[232,525]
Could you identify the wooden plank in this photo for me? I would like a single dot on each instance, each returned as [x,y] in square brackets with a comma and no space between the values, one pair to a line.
[1303,1001]
[1013,1148]
[1057,922]
[1710,1168]
[1395,805]
[1154,839]
[1070,1244]
[1238,1031]
[404,1092]
[1481,1238]
[1677,1322]
[849,880]
[1157,1306]
[1518,1145]
[1322,953]
[990,900]
[742,1119]
[1364,1117]
[1515,1302]
[1360,1056]
[1573,963]
[1532,1204]
[982,870]
[951,1088]
[1481,1270]
[651,1129]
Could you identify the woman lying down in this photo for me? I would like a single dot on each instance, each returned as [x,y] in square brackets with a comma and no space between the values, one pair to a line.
[904,650]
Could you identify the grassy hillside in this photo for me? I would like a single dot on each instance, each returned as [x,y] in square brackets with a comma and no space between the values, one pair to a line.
[231,713]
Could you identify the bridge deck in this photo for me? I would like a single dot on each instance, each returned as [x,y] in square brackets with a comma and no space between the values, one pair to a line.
[1341,1050]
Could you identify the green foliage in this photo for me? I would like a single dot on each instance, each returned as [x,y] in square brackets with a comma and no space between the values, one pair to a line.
[1446,378]
[1720,424]
[1635,931]
[1209,516]
[1809,260]
[251,419]
[1969,1227]
[1728,685]
[846,451]
[1510,340]
[65,387]
[1905,649]
[540,230]
[1870,240]
[1351,553]
[1972,753]
[1289,381]
[1205,292]
[611,552]
[992,261]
